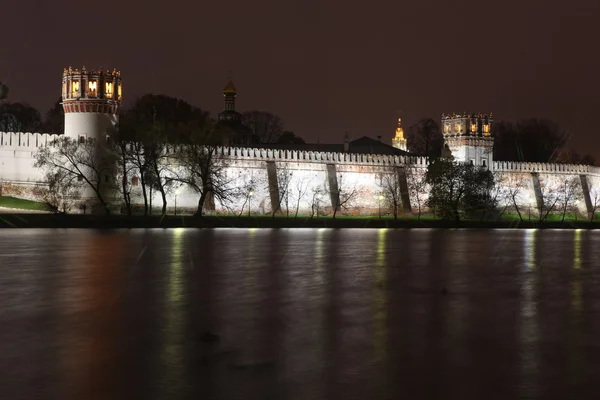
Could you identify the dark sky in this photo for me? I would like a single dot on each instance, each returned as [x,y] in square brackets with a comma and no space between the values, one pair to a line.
[325,67]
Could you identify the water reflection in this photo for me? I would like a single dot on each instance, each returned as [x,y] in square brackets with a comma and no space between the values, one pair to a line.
[529,325]
[301,313]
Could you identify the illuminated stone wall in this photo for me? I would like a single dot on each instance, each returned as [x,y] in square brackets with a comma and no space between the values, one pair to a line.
[309,178]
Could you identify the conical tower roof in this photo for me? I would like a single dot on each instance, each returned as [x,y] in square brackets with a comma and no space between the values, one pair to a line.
[230,88]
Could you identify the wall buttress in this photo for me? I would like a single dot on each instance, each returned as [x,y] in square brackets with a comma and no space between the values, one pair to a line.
[334,191]
[273,185]
[586,195]
[537,190]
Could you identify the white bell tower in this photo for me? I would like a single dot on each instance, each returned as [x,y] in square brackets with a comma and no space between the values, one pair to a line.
[91,100]
[469,137]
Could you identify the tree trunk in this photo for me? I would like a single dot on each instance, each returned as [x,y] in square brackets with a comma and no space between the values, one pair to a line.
[143,183]
[517,209]
[200,210]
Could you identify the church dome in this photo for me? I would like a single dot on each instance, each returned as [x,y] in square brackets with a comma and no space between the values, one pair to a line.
[229,88]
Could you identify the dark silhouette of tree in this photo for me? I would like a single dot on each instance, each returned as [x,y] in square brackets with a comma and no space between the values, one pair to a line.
[425,138]
[568,156]
[531,140]
[289,137]
[156,122]
[265,127]
[459,189]
[204,169]
[54,121]
[19,117]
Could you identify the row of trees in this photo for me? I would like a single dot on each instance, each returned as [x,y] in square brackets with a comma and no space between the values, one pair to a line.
[531,140]
[162,143]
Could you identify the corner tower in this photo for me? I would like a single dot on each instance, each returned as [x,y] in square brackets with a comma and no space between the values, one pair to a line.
[469,137]
[91,100]
[399,141]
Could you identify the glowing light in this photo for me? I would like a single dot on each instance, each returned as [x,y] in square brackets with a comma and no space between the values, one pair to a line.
[92,88]
[120,91]
[109,89]
[75,88]
[473,128]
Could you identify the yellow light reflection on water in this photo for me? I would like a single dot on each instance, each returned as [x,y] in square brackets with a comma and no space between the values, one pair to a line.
[380,297]
[529,334]
[576,311]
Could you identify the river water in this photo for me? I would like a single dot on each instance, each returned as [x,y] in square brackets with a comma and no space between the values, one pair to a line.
[299,314]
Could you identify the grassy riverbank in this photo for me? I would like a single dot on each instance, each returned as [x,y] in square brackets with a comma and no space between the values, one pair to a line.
[21,204]
[170,221]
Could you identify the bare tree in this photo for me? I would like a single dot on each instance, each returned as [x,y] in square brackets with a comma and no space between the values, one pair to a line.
[63,190]
[317,193]
[594,197]
[90,162]
[550,198]
[246,191]
[417,186]
[389,189]
[284,178]
[510,186]
[344,195]
[204,169]
[300,191]
[569,192]
[266,127]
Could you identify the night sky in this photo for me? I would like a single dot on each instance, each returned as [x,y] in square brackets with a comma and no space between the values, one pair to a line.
[325,67]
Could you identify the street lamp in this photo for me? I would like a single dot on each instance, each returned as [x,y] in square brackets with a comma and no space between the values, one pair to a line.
[176,193]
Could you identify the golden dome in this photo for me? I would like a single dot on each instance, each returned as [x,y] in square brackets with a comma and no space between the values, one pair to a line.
[229,88]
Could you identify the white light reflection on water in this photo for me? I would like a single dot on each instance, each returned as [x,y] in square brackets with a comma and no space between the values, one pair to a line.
[576,317]
[529,333]
[172,332]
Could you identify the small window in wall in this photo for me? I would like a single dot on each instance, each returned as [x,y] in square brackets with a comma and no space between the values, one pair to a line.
[472,162]
[483,163]
[79,178]
[135,181]
[81,139]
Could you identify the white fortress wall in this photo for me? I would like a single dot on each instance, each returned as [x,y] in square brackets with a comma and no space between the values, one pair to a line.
[309,173]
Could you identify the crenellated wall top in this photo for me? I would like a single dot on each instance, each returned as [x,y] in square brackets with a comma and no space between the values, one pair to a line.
[25,140]
[285,155]
[514,166]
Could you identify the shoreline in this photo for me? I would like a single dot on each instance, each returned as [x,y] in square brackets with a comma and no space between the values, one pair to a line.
[58,221]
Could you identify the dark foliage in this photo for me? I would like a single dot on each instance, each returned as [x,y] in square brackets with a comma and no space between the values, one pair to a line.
[459,189]
[425,138]
[19,117]
[531,140]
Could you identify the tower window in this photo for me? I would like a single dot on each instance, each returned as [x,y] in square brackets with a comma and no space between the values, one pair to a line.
[483,163]
[486,128]
[120,92]
[473,128]
[92,89]
[75,88]
[109,90]
[81,139]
